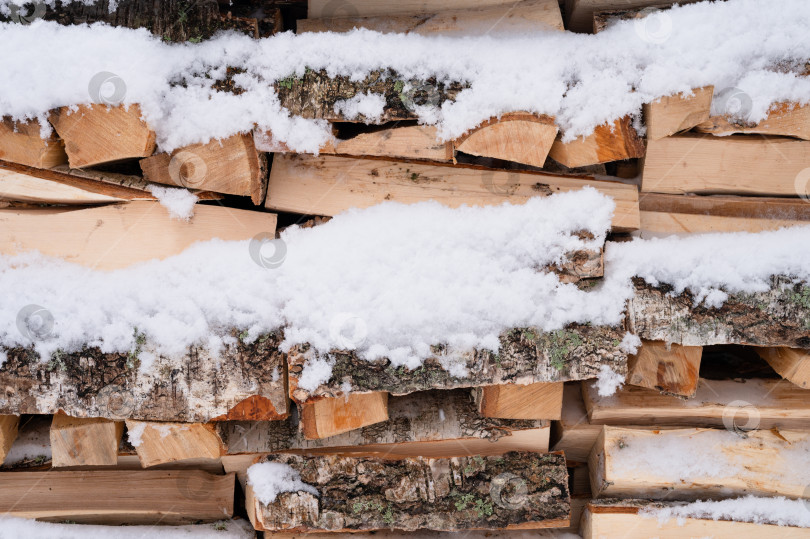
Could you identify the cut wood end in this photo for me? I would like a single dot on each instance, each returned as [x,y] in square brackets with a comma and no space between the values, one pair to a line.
[518,137]
[542,400]
[330,416]
[614,141]
[160,443]
[255,408]
[670,368]
[79,441]
[792,364]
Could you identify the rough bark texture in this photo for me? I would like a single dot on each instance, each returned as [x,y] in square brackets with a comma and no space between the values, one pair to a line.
[421,417]
[526,356]
[513,490]
[778,317]
[196,387]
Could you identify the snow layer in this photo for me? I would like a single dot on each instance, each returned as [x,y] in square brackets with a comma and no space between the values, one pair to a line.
[14,528]
[608,381]
[179,202]
[779,510]
[269,479]
[581,80]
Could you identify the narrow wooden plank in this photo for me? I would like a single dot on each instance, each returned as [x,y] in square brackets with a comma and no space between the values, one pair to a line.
[21,142]
[122,234]
[673,114]
[236,528]
[408,142]
[327,417]
[519,137]
[736,164]
[439,494]
[787,119]
[669,368]
[163,442]
[90,441]
[366,8]
[25,188]
[328,185]
[512,401]
[573,433]
[609,142]
[96,134]
[9,425]
[792,364]
[118,497]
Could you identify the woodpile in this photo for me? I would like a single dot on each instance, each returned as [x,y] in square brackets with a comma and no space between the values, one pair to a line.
[527,440]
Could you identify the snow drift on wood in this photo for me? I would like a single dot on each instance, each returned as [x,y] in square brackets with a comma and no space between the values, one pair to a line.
[269,479]
[778,510]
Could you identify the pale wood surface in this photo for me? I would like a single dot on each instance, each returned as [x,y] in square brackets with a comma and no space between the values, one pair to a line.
[20,142]
[786,119]
[609,142]
[512,401]
[327,185]
[519,137]
[25,188]
[9,425]
[408,142]
[232,166]
[672,114]
[579,13]
[792,364]
[736,164]
[161,442]
[118,497]
[574,434]
[367,8]
[97,134]
[671,369]
[90,441]
[327,417]
[117,236]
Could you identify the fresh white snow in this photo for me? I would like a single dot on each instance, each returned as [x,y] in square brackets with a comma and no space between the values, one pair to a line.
[269,479]
[778,510]
[179,202]
[608,381]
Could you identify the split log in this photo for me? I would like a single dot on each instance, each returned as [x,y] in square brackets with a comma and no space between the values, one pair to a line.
[516,490]
[161,443]
[9,425]
[118,497]
[195,387]
[726,165]
[579,14]
[778,317]
[21,142]
[90,441]
[409,142]
[614,519]
[745,404]
[669,368]
[792,364]
[328,185]
[236,528]
[526,356]
[511,401]
[122,234]
[676,214]
[786,119]
[655,464]
[673,114]
[518,137]
[231,166]
[574,434]
[608,142]
[470,19]
[327,417]
[96,134]
[367,8]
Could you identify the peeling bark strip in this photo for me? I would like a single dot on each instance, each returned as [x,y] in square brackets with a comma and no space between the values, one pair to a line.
[196,387]
[526,356]
[516,490]
[778,317]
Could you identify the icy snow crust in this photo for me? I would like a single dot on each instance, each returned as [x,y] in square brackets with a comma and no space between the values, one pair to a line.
[779,510]
[581,80]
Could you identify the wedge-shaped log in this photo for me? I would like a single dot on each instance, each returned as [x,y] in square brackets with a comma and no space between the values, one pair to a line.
[614,519]
[573,433]
[519,137]
[680,112]
[96,134]
[792,364]
[512,401]
[328,185]
[671,464]
[160,443]
[608,142]
[786,119]
[737,164]
[327,417]
[194,387]
[122,234]
[366,8]
[717,403]
[516,490]
[118,497]
[89,441]
[408,142]
[526,356]
[662,215]
[778,317]
[668,368]
[9,425]
[232,166]
[21,142]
